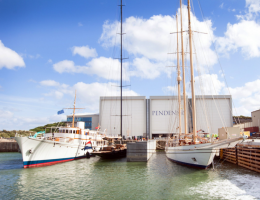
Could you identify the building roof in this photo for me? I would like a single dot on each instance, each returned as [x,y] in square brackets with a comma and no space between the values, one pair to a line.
[83,114]
[255,111]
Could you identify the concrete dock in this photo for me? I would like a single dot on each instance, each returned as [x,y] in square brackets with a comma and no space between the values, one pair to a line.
[140,151]
[8,145]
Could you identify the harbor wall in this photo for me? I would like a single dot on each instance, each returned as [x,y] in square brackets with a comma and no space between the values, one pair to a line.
[140,151]
[8,145]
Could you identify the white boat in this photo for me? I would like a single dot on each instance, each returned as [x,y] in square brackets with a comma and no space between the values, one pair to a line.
[66,144]
[190,149]
[61,144]
[199,155]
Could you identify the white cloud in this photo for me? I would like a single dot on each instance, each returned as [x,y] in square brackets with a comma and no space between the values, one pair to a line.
[247,96]
[253,6]
[14,122]
[34,57]
[221,5]
[208,84]
[150,38]
[88,94]
[49,83]
[9,58]
[50,61]
[33,81]
[80,24]
[146,68]
[91,93]
[147,40]
[106,68]
[243,35]
[84,51]
[5,114]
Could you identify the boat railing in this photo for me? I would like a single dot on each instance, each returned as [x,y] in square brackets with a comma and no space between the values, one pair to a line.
[161,138]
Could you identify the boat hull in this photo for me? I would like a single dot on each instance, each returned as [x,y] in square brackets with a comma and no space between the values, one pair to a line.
[200,155]
[111,154]
[189,156]
[39,152]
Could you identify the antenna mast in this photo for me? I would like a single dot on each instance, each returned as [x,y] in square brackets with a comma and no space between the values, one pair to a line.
[121,85]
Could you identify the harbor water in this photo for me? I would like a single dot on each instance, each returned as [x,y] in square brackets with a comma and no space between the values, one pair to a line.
[95,178]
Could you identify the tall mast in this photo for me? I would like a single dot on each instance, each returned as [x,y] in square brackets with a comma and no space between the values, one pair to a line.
[121,85]
[74,110]
[192,81]
[183,75]
[179,77]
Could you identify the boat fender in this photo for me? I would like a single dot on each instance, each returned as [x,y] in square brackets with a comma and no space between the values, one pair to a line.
[245,137]
[87,155]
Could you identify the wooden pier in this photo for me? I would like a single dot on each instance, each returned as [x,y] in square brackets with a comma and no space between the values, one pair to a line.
[245,155]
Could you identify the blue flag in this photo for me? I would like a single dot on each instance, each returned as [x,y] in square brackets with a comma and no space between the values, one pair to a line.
[60,112]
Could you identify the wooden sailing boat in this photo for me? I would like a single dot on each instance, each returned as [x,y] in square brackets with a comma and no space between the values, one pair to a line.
[192,150]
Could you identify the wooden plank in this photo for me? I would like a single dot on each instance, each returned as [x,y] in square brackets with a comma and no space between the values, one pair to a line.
[234,162]
[230,153]
[242,145]
[251,168]
[247,149]
[229,150]
[227,154]
[249,160]
[246,156]
[249,164]
[249,153]
[234,159]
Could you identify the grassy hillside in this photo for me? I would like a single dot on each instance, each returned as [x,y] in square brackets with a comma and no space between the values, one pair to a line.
[8,134]
[42,128]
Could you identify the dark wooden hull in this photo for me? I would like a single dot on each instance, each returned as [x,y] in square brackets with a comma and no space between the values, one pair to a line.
[111,154]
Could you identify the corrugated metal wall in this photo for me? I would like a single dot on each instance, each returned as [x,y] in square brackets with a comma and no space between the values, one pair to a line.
[213,112]
[134,115]
[164,115]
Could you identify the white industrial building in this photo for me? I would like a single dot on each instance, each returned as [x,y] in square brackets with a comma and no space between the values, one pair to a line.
[159,115]
[213,112]
[134,115]
[256,118]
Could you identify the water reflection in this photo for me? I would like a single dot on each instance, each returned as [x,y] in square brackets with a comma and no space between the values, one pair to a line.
[102,179]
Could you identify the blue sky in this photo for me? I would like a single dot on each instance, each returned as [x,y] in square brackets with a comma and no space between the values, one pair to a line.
[49,49]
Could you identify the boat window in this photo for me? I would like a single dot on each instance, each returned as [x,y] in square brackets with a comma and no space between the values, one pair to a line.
[70,131]
[73,131]
[67,131]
